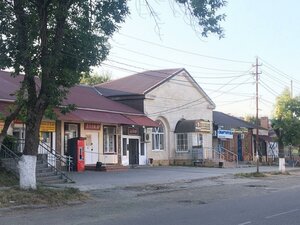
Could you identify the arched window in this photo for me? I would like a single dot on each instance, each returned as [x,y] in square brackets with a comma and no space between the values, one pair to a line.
[158,137]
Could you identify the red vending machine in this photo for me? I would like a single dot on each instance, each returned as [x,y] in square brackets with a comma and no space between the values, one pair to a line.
[76,151]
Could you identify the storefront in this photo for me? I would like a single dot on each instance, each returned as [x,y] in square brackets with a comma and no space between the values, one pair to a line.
[189,139]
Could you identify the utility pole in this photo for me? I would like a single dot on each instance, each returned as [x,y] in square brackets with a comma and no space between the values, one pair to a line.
[257,123]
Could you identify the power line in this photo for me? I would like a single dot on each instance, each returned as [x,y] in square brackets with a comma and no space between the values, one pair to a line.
[184,51]
[170,61]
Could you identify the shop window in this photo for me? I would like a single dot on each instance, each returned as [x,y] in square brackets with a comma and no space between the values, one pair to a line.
[197,141]
[142,149]
[71,130]
[124,146]
[182,142]
[158,140]
[109,139]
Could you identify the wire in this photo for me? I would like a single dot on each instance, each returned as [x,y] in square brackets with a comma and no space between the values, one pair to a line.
[184,51]
[170,61]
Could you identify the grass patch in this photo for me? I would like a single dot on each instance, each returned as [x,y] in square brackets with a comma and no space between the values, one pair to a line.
[7,179]
[41,196]
[249,175]
[280,173]
[12,195]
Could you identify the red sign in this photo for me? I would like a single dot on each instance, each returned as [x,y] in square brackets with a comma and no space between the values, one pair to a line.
[92,126]
[133,131]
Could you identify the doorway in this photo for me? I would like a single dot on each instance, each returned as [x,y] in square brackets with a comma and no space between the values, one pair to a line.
[133,148]
[240,148]
[91,148]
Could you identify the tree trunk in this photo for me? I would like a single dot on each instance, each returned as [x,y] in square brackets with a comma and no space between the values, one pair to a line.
[27,164]
[281,156]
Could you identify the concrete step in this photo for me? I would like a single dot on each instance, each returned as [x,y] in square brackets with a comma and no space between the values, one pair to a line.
[107,168]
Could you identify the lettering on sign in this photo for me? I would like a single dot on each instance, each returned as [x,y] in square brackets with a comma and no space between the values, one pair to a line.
[92,126]
[225,134]
[133,131]
[47,126]
[203,126]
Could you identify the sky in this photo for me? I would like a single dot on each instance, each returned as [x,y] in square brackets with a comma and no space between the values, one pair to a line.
[266,29]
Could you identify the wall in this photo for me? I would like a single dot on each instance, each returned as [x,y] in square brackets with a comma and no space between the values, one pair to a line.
[173,100]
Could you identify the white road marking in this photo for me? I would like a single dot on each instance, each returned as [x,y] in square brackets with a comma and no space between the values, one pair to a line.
[282,213]
[248,222]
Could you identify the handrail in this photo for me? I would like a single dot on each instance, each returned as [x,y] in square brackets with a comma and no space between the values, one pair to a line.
[67,161]
[57,170]
[61,158]
[12,155]
[232,153]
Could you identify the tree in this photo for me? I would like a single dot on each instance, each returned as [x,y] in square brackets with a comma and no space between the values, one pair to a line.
[286,122]
[57,41]
[94,79]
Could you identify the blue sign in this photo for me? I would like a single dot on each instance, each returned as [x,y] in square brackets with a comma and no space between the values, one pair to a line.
[225,134]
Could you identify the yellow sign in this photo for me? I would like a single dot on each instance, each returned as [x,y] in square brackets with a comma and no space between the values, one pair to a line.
[1,125]
[47,126]
[203,126]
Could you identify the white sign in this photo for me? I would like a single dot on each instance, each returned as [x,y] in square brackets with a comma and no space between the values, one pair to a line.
[225,134]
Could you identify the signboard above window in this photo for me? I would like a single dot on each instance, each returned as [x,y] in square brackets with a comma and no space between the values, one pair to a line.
[225,134]
[92,126]
[203,126]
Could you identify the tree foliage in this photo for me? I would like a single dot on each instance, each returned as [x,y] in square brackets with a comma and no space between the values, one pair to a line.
[93,79]
[286,117]
[57,41]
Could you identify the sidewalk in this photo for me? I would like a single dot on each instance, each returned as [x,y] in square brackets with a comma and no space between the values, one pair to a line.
[91,180]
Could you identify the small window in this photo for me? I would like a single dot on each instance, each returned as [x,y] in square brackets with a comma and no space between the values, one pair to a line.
[158,137]
[124,146]
[182,142]
[142,149]
[109,139]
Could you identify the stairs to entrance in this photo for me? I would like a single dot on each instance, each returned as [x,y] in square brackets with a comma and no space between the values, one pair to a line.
[46,174]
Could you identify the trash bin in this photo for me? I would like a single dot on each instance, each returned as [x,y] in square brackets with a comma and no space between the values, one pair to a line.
[150,161]
[221,164]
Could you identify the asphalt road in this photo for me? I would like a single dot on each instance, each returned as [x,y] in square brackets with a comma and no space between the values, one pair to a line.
[223,200]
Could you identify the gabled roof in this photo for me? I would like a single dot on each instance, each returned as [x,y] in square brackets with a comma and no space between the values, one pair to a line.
[142,83]
[139,83]
[228,122]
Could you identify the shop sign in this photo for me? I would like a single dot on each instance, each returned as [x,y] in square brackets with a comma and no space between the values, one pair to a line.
[203,126]
[1,125]
[239,130]
[133,131]
[47,126]
[92,126]
[225,134]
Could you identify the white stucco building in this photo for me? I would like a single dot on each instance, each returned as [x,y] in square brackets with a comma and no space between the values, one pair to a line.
[181,107]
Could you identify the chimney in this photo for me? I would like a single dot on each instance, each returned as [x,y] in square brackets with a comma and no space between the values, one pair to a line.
[264,122]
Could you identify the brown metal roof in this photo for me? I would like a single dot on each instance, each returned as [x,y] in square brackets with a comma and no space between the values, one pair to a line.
[143,121]
[94,116]
[9,85]
[139,83]
[87,97]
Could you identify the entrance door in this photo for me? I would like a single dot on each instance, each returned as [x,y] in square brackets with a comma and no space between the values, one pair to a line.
[133,148]
[91,148]
[240,148]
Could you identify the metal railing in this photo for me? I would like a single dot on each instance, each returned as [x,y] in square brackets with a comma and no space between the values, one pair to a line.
[10,159]
[56,162]
[55,159]
[229,155]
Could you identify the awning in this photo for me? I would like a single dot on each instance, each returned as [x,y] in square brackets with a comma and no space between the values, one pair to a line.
[185,126]
[191,126]
[95,116]
[143,121]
